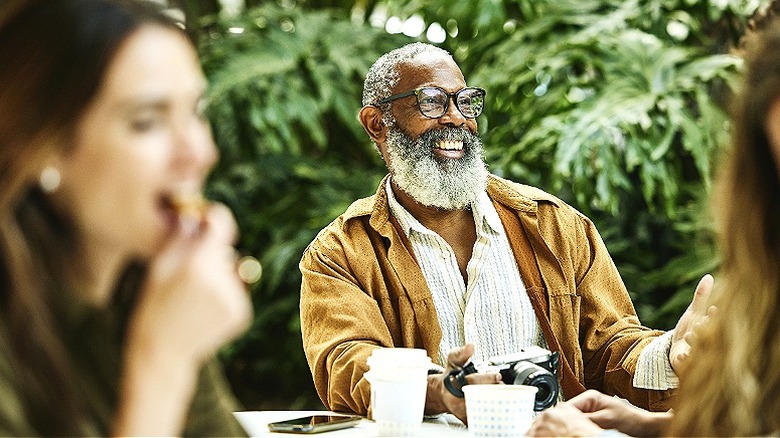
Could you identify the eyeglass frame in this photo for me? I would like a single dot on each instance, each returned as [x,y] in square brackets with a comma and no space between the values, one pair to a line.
[450,96]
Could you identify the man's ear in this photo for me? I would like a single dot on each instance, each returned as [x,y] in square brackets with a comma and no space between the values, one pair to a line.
[371,119]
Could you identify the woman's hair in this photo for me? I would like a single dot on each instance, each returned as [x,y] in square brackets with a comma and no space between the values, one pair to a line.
[54,55]
[733,382]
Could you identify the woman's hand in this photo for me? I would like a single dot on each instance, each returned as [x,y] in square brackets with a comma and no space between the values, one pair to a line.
[193,300]
[192,303]
[563,420]
[590,412]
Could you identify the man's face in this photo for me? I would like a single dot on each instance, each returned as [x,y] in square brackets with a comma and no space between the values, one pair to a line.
[438,162]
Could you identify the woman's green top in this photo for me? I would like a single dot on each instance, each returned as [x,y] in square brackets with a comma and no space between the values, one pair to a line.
[94,339]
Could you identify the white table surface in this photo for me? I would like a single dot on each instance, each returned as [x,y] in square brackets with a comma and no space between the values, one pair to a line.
[256,424]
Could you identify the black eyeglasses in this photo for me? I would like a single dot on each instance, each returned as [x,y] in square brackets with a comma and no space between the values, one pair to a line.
[434,101]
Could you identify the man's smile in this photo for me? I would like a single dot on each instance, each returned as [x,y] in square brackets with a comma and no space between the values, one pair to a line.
[452,149]
[450,145]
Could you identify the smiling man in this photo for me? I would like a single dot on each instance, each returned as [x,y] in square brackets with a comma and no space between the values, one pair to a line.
[449,258]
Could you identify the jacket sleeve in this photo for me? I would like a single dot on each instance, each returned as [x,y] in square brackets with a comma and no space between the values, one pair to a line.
[611,336]
[341,325]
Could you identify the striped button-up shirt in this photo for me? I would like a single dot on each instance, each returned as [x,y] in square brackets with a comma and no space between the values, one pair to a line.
[492,309]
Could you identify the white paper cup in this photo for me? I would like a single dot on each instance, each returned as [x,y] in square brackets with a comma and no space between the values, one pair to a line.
[399,363]
[499,410]
[398,378]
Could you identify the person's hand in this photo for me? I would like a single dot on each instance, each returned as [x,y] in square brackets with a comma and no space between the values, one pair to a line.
[694,317]
[563,420]
[613,413]
[192,301]
[438,399]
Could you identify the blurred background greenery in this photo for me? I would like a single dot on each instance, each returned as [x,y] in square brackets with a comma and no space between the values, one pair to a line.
[617,106]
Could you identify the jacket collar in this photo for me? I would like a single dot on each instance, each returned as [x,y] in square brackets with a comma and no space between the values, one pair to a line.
[516,196]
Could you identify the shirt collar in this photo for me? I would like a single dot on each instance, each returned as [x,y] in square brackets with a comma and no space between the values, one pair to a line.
[485,213]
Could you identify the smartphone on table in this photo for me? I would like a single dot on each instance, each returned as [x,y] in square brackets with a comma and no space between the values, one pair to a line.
[315,423]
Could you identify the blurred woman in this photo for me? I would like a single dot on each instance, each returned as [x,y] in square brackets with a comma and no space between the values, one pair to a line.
[113,299]
[731,385]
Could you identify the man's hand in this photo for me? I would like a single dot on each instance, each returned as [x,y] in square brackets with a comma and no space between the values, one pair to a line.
[438,399]
[694,317]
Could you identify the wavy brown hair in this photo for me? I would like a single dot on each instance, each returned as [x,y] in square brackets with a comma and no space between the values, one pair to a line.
[732,385]
[54,55]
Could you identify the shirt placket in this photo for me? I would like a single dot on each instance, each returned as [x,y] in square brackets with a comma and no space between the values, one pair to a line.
[454,290]
[473,293]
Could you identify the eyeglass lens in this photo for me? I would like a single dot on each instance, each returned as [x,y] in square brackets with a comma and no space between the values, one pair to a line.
[433,102]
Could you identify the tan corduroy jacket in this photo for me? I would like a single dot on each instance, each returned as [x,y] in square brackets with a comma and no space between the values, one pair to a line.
[362,289]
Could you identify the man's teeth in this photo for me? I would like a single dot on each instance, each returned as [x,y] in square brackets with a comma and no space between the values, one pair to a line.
[451,145]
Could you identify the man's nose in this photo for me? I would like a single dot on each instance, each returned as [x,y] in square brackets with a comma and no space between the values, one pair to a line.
[453,116]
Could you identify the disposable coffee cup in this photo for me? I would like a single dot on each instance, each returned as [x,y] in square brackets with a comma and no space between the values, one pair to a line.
[398,378]
[499,410]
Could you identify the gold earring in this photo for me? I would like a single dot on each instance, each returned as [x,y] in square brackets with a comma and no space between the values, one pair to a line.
[50,179]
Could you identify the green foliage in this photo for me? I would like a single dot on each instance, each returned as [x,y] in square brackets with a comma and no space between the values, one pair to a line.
[615,101]
[285,91]
[613,105]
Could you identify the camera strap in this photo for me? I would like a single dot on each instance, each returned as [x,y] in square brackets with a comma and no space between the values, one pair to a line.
[459,375]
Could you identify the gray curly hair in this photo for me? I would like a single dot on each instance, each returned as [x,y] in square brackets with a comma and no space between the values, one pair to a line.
[383,76]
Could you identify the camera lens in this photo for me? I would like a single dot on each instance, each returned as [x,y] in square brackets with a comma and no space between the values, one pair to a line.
[528,373]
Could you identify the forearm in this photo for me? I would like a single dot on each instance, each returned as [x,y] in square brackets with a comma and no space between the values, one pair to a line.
[650,424]
[338,374]
[612,337]
[341,325]
[155,393]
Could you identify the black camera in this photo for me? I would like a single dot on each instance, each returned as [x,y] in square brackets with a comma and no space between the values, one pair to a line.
[532,366]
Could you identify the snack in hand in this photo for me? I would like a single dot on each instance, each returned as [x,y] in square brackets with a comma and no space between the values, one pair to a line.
[189,205]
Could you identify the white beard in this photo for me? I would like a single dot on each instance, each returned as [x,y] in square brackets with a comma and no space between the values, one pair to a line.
[435,182]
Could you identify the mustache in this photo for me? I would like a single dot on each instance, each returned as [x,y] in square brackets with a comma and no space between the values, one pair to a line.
[448,133]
